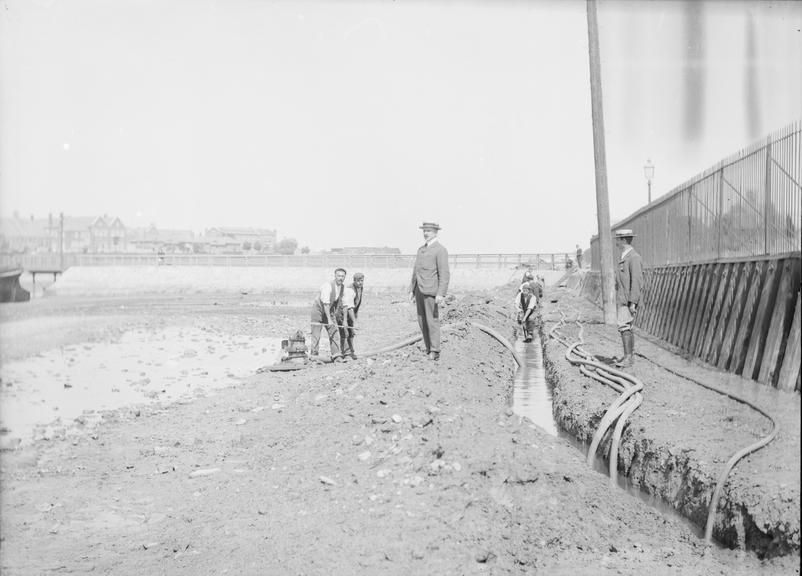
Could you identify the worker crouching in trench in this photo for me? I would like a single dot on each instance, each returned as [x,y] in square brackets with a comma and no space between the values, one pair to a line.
[526,303]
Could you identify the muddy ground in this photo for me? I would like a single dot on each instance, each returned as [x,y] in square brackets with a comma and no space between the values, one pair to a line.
[679,440]
[392,465]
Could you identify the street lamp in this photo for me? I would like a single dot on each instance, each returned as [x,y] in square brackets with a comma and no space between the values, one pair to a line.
[648,171]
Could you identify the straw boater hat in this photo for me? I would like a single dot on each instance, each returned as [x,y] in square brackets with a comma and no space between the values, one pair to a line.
[624,233]
[430,226]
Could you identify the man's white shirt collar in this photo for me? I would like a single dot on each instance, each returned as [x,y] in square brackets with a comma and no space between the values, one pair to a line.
[627,249]
[430,242]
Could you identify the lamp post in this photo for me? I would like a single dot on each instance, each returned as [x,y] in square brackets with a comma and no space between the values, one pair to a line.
[648,171]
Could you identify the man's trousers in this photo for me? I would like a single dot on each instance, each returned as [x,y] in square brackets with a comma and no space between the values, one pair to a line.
[317,325]
[429,320]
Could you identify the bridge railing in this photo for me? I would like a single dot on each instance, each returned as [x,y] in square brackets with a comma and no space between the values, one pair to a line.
[747,205]
[352,262]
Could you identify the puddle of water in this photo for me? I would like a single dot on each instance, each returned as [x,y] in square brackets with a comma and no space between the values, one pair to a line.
[143,366]
[531,396]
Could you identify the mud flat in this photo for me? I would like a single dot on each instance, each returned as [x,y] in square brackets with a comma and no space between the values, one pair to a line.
[679,440]
[392,465]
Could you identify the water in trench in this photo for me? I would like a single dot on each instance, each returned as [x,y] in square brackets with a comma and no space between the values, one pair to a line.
[532,398]
[531,395]
[166,365]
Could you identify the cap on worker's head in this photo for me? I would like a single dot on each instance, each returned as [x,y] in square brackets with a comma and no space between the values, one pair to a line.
[529,274]
[430,226]
[527,287]
[359,276]
[624,233]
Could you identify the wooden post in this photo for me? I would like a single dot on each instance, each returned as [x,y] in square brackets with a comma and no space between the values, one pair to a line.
[61,241]
[602,200]
[767,198]
[720,209]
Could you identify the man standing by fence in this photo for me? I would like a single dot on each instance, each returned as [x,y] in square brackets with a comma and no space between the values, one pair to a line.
[628,284]
[326,309]
[429,285]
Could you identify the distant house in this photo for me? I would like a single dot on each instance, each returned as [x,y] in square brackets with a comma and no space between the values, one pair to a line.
[228,240]
[80,234]
[106,234]
[25,235]
[152,239]
[91,234]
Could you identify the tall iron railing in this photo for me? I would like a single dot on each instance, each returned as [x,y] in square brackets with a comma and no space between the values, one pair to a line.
[747,205]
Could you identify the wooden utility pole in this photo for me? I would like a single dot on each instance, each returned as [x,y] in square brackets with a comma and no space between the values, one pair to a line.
[61,241]
[602,201]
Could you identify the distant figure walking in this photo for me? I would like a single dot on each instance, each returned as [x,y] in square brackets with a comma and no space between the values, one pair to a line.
[326,309]
[628,284]
[351,304]
[578,257]
[428,287]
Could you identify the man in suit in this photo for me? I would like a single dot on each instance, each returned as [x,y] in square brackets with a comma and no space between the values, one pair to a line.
[429,285]
[628,284]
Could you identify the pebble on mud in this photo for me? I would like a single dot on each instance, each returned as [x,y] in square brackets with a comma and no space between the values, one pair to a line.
[364,455]
[203,472]
[484,556]
[327,480]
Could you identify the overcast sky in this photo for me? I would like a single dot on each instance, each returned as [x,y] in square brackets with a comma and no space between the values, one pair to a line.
[349,123]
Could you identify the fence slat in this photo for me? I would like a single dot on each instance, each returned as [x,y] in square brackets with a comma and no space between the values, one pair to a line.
[701,315]
[715,313]
[694,273]
[736,272]
[757,341]
[731,330]
[789,374]
[781,318]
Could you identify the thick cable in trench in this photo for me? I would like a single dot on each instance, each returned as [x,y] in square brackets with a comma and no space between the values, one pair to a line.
[619,411]
[745,451]
[733,460]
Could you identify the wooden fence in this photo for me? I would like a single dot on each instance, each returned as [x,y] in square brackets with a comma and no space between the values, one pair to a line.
[740,315]
[749,204]
[53,261]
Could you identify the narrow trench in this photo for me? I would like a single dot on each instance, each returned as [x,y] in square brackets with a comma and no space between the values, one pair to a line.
[532,399]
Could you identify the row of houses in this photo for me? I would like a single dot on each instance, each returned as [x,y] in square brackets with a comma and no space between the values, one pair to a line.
[108,234]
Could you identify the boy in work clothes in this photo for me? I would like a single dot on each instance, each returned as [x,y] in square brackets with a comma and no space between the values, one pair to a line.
[526,302]
[353,299]
[326,309]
